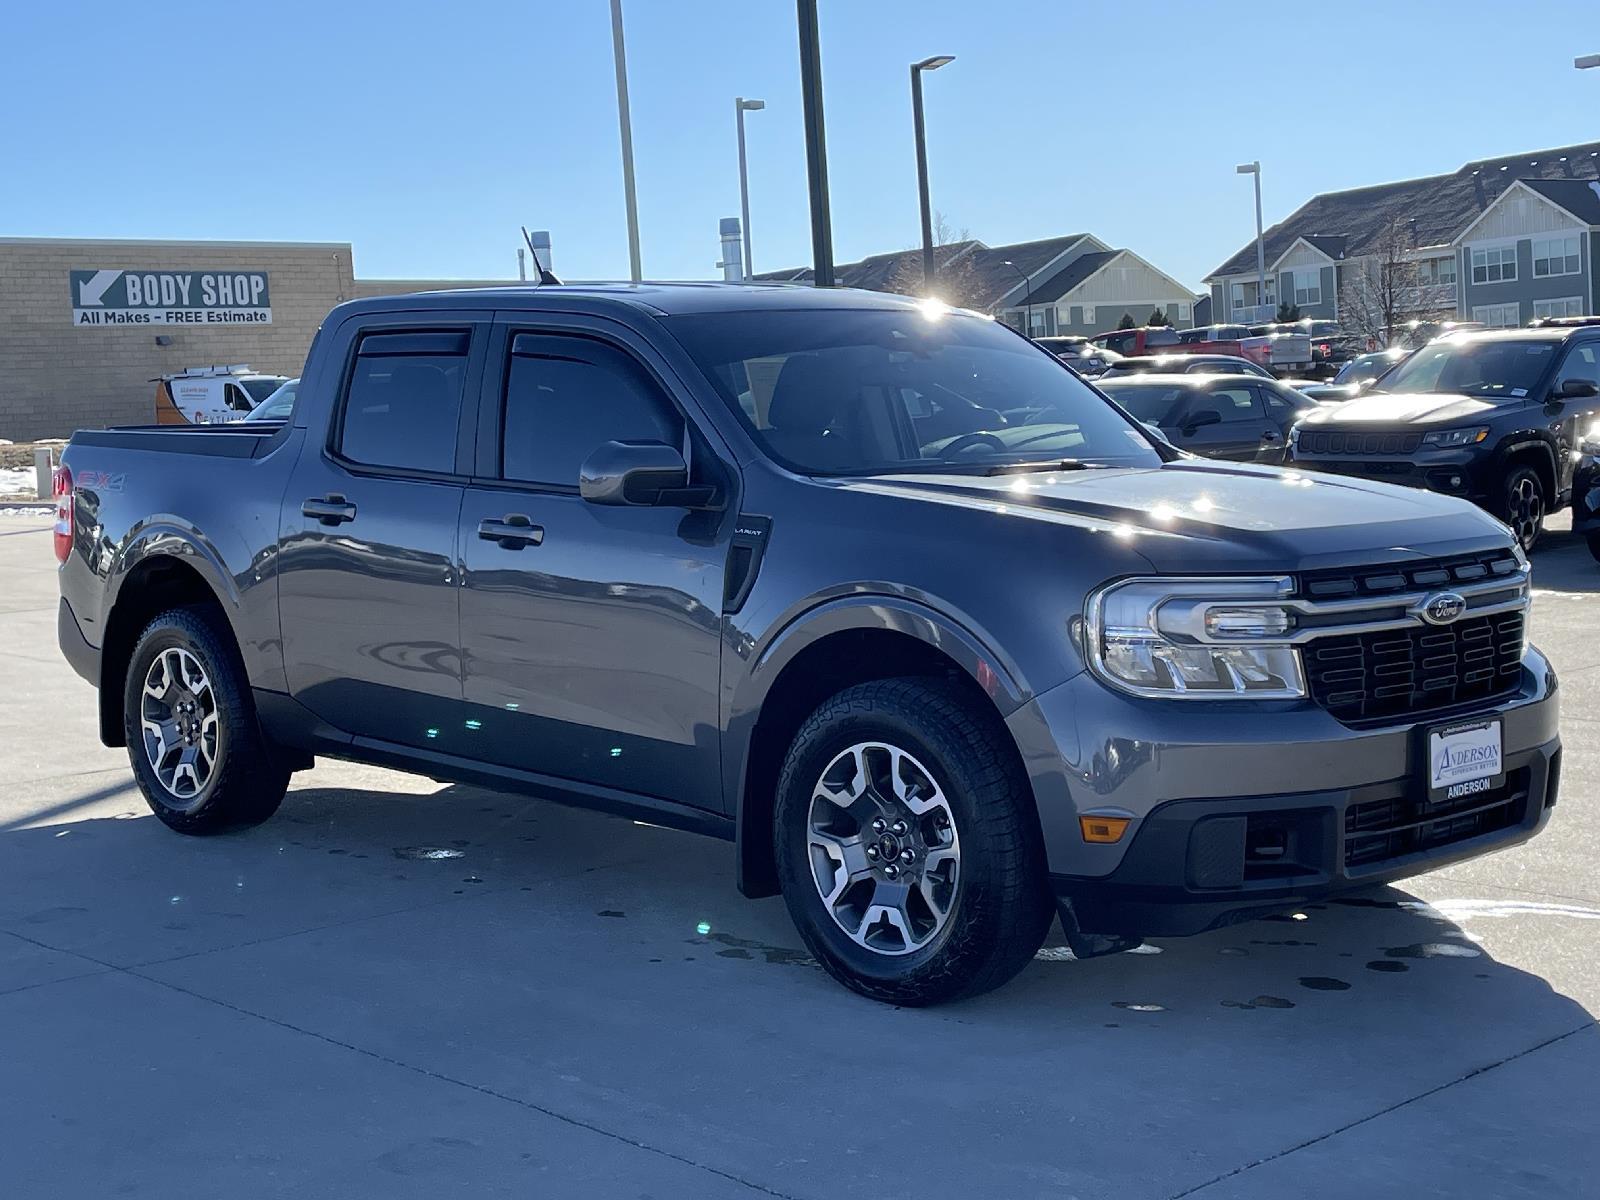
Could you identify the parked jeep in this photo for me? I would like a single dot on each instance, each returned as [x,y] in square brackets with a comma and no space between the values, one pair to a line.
[1493,416]
[941,639]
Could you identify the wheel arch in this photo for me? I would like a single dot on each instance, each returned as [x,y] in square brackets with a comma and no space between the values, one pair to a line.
[159,571]
[830,648]
[1541,456]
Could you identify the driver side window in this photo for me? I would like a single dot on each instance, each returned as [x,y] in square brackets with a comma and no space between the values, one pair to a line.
[1582,362]
[567,396]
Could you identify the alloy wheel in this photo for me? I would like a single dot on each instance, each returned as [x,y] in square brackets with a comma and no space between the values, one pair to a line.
[1525,508]
[181,726]
[884,851]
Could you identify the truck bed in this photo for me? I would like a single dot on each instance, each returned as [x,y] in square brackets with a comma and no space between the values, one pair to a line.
[214,441]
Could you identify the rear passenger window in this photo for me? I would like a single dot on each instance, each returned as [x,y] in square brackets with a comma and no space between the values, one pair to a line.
[1230,404]
[404,401]
[565,397]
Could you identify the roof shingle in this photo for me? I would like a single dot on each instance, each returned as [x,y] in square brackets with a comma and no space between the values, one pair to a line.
[1436,208]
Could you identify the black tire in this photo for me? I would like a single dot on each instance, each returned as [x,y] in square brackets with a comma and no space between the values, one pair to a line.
[244,783]
[1001,906]
[1524,504]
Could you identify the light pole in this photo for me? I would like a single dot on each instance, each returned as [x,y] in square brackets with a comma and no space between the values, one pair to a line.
[1027,296]
[740,107]
[1254,168]
[816,143]
[917,68]
[625,125]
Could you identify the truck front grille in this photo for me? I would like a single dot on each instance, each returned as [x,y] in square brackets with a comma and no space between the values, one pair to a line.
[1340,441]
[1378,831]
[1401,673]
[1395,674]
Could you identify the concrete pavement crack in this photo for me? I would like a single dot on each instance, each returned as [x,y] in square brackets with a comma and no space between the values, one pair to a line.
[481,1089]
[1382,1112]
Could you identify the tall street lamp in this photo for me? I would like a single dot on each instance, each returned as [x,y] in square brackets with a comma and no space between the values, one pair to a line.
[1027,296]
[740,107]
[1585,62]
[619,57]
[816,142]
[1254,168]
[917,68]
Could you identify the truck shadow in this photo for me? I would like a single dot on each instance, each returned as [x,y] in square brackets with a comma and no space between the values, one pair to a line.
[600,967]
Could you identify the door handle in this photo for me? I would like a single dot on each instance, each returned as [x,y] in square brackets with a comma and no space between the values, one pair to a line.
[332,509]
[513,532]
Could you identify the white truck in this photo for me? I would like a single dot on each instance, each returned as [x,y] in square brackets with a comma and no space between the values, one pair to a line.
[213,395]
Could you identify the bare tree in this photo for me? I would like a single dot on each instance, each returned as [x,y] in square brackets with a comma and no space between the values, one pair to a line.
[1383,289]
[957,281]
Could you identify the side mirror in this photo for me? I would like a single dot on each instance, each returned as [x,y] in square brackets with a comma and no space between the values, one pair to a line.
[1577,389]
[639,473]
[1199,420]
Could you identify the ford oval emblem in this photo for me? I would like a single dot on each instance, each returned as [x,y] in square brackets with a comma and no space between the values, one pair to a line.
[1442,608]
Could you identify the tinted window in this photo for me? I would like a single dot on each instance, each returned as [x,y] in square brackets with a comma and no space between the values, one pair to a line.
[260,389]
[1151,402]
[1582,363]
[1233,405]
[565,397]
[405,400]
[1281,401]
[851,391]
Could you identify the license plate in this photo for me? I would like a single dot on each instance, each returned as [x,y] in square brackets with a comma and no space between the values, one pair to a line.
[1465,759]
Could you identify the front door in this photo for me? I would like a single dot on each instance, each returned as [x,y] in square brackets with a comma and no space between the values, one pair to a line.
[1239,427]
[368,579]
[1578,414]
[591,633]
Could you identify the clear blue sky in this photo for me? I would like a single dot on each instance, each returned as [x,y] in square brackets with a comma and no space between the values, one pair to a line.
[425,133]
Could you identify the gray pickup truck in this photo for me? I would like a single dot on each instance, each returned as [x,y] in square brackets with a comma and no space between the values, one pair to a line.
[937,635]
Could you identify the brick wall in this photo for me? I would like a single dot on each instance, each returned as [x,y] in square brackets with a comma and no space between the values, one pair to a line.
[56,377]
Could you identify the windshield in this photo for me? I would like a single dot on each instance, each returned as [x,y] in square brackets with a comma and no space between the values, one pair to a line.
[260,389]
[277,406]
[1479,367]
[1149,402]
[864,392]
[1364,369]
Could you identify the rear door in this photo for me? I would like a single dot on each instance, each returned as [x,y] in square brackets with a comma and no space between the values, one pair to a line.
[1576,415]
[368,579]
[1238,430]
[592,639]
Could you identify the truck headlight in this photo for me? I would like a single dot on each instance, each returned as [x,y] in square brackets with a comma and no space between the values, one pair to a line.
[1196,639]
[1445,438]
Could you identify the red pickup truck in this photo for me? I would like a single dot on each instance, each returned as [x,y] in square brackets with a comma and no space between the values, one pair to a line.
[1279,353]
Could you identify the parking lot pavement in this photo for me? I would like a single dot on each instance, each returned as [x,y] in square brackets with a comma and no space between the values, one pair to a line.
[576,1005]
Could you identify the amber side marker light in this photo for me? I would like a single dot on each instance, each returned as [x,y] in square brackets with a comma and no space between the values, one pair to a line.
[1103,829]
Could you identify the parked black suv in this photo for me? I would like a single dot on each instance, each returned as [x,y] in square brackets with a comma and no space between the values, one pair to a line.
[1494,416]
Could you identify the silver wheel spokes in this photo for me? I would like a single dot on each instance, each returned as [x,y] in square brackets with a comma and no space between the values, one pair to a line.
[883,846]
[178,714]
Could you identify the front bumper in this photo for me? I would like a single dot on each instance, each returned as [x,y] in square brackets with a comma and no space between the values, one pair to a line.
[1208,786]
[1456,472]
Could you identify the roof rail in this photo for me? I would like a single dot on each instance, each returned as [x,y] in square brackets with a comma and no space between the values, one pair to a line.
[1562,322]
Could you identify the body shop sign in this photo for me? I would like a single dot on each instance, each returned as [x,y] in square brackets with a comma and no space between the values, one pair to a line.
[170,298]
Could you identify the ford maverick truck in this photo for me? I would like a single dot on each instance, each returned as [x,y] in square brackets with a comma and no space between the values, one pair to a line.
[945,643]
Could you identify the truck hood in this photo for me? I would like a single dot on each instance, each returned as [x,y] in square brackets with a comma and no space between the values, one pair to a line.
[1403,408]
[1200,516]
